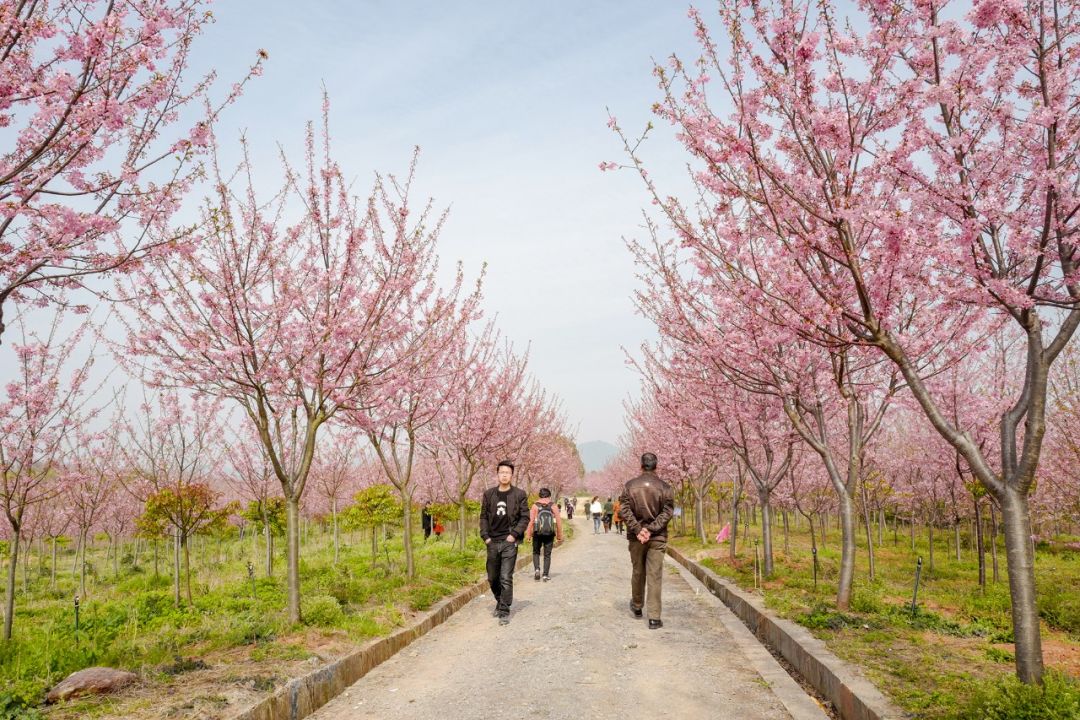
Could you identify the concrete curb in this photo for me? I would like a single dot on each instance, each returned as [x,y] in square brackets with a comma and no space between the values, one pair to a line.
[304,695]
[853,696]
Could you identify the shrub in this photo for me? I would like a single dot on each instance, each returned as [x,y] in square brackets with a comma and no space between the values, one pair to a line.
[1010,699]
[323,611]
[18,699]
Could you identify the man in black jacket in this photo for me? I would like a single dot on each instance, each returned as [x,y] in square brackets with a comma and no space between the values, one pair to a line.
[504,515]
[646,505]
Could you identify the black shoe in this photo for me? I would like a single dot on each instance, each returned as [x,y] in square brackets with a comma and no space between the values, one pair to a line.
[656,624]
[536,575]
[636,611]
[504,619]
[546,578]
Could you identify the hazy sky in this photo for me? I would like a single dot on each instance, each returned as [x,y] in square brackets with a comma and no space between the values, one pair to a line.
[508,102]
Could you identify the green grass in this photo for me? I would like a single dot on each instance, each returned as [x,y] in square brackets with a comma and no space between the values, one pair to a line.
[129,620]
[957,646]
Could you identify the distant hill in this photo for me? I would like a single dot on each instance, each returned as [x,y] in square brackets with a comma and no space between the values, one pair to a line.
[596,453]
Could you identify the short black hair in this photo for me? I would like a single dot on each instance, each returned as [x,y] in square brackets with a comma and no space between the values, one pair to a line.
[648,462]
[505,463]
[544,492]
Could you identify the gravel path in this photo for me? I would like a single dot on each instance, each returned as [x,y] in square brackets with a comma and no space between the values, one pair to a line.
[572,650]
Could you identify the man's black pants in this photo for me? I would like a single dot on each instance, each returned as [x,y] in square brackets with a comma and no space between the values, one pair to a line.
[545,543]
[501,558]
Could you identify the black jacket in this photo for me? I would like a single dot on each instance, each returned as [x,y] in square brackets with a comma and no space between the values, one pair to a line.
[517,504]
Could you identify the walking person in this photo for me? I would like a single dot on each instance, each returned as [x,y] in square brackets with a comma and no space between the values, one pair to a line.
[545,529]
[597,512]
[609,511]
[570,503]
[425,520]
[504,515]
[647,504]
[618,519]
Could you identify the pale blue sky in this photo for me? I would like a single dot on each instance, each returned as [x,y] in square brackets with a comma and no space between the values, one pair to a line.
[508,103]
[507,100]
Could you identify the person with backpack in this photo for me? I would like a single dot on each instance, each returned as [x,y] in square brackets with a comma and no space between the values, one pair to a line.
[545,528]
[609,511]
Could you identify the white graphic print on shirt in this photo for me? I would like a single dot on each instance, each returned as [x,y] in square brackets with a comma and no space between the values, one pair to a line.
[500,508]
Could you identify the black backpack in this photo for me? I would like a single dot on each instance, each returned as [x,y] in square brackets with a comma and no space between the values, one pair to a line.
[545,520]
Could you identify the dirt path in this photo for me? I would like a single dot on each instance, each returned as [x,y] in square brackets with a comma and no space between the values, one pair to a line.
[571,650]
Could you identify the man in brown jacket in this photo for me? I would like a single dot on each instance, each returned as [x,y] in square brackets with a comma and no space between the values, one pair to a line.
[646,506]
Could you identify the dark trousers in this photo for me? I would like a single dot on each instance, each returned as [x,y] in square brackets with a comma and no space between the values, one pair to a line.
[648,574]
[545,543]
[501,557]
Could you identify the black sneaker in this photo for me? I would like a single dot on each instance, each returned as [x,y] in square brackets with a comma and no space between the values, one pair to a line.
[635,610]
[504,619]
[656,624]
[545,578]
[536,575]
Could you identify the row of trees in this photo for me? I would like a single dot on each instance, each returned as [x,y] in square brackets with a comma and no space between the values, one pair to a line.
[877,274]
[279,335]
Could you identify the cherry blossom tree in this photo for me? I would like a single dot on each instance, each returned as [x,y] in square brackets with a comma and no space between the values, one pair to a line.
[168,452]
[98,160]
[908,171]
[40,407]
[291,321]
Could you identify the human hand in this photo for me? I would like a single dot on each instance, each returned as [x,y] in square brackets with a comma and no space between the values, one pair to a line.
[643,536]
[487,541]
[509,538]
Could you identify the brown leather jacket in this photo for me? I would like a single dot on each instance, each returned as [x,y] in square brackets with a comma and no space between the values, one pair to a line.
[647,502]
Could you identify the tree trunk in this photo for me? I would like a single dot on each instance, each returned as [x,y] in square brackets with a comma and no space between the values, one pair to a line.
[734,527]
[956,536]
[813,536]
[787,532]
[699,514]
[337,538]
[292,546]
[269,536]
[82,564]
[156,572]
[930,530]
[410,566]
[461,521]
[847,554]
[53,581]
[176,567]
[766,532]
[187,567]
[374,542]
[912,531]
[993,542]
[866,524]
[1021,563]
[980,549]
[9,601]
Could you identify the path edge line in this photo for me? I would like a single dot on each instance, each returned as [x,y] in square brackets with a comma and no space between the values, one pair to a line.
[303,695]
[853,696]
